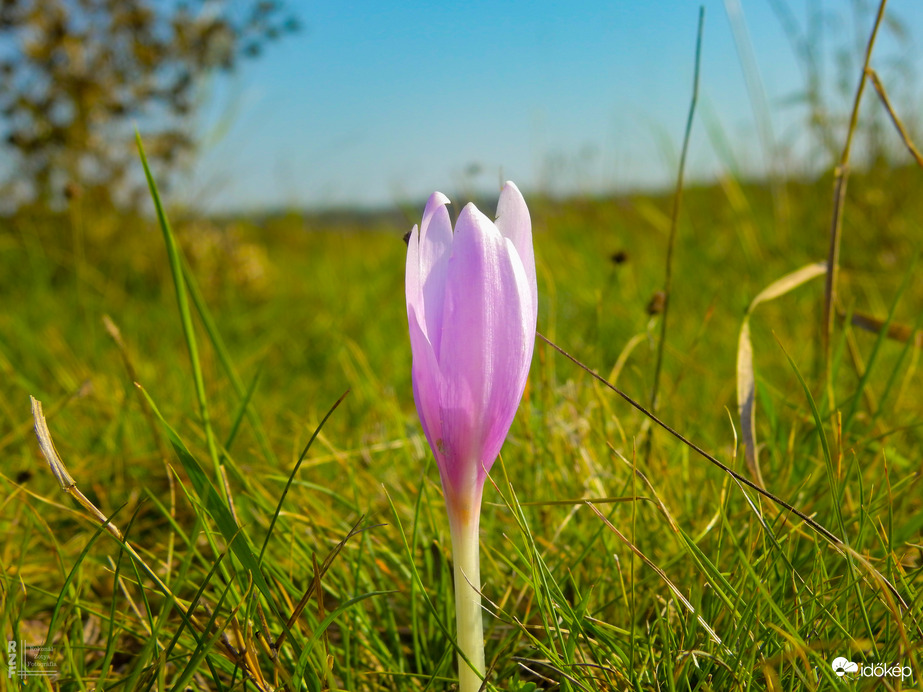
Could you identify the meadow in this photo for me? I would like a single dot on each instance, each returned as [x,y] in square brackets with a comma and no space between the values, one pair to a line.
[614,556]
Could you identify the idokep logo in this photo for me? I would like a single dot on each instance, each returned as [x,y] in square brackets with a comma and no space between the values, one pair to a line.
[841,666]
[844,667]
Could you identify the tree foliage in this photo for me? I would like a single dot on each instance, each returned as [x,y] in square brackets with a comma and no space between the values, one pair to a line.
[76,76]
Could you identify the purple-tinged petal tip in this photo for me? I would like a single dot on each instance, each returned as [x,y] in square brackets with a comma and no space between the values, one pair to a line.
[471,305]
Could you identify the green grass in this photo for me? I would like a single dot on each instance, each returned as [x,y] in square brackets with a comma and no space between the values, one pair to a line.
[604,567]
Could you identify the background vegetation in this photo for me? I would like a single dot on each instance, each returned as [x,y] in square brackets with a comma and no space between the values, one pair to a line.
[613,556]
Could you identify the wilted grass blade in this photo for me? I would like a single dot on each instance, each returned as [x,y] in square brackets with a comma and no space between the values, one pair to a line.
[746,378]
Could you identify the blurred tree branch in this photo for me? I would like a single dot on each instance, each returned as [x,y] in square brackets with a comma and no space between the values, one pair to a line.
[76,76]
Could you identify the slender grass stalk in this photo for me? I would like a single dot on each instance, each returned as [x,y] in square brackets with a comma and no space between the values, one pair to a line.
[901,130]
[759,104]
[841,176]
[674,220]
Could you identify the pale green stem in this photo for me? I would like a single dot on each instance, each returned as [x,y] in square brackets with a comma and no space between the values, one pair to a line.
[464,519]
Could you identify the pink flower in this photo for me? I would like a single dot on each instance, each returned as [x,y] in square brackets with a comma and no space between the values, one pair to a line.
[471,304]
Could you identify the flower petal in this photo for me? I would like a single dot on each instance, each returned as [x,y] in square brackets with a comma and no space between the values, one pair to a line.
[435,247]
[485,345]
[413,286]
[426,384]
[514,222]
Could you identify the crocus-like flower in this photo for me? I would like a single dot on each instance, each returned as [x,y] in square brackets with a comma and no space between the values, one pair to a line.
[471,304]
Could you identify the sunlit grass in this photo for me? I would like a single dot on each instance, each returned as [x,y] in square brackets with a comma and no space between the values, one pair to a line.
[604,567]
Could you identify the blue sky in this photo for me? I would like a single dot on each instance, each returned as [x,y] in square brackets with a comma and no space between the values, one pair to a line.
[380,103]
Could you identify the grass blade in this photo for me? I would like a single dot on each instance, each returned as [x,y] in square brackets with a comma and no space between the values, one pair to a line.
[235,536]
[182,302]
[746,378]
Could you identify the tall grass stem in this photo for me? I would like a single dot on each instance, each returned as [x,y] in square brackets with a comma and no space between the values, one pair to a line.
[841,175]
[674,218]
